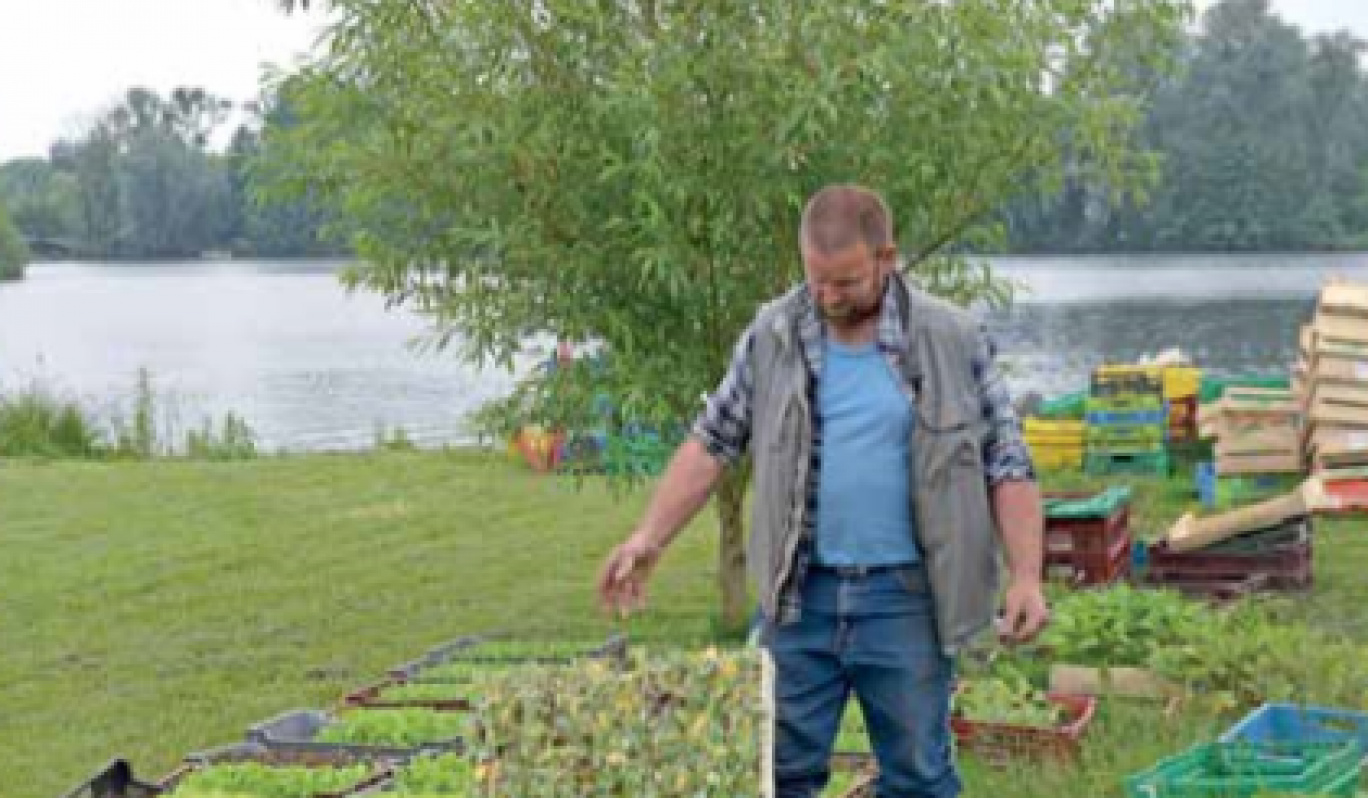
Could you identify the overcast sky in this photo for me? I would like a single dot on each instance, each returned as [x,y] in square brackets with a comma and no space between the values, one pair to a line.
[62,61]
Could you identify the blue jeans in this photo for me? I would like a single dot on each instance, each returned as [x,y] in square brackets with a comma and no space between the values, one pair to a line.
[872,634]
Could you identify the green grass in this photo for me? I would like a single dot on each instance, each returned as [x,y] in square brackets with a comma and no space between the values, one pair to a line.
[155,608]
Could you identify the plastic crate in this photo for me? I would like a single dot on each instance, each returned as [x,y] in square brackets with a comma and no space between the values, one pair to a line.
[1288,567]
[1127,438]
[115,780]
[1345,496]
[1182,412]
[1062,507]
[297,731]
[1127,379]
[1128,404]
[1227,491]
[1181,382]
[1213,388]
[1218,590]
[1002,743]
[468,649]
[1087,534]
[1052,457]
[1149,417]
[1244,770]
[1205,477]
[1068,406]
[1296,723]
[1070,428]
[1091,566]
[1109,463]
[1290,532]
[256,752]
[1246,489]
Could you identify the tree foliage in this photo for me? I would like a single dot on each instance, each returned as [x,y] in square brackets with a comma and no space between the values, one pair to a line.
[143,181]
[631,173]
[1263,136]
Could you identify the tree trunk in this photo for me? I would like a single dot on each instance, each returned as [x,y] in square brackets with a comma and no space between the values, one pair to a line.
[731,551]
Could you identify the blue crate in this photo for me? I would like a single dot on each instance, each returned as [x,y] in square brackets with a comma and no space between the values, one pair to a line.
[1129,418]
[1206,484]
[1295,723]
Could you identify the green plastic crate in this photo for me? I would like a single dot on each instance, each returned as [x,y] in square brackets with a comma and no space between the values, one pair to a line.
[1124,403]
[1213,388]
[1068,406]
[1244,770]
[1112,462]
[1235,490]
[1146,436]
[1101,505]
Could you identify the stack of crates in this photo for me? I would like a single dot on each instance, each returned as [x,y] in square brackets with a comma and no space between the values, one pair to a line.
[1056,444]
[1182,384]
[1088,537]
[1127,421]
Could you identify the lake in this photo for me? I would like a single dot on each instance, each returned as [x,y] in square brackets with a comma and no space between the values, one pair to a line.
[312,367]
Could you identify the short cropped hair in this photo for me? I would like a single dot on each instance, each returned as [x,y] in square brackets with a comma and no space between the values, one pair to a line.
[838,216]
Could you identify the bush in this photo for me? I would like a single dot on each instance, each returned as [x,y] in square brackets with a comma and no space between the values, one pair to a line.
[36,423]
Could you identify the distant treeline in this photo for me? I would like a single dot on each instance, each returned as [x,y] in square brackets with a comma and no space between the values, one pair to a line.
[1259,143]
[143,182]
[1262,141]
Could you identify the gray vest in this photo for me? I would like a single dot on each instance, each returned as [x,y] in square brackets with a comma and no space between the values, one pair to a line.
[955,527]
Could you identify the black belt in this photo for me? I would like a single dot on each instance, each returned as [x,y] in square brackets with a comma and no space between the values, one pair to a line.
[856,571]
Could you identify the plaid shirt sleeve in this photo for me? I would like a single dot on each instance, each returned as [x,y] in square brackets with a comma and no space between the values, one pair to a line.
[1005,455]
[724,426]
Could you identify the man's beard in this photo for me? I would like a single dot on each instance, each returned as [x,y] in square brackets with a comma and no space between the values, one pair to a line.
[856,315]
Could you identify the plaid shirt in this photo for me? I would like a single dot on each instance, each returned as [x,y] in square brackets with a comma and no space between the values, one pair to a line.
[725,423]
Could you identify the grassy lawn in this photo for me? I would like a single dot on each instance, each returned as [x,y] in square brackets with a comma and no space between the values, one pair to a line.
[152,609]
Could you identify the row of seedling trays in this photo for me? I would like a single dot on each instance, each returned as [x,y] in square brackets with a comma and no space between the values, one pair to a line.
[413,720]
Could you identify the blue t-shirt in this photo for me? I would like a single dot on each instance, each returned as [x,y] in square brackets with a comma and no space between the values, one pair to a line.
[864,508]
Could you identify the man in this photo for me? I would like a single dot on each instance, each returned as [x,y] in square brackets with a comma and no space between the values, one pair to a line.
[888,467]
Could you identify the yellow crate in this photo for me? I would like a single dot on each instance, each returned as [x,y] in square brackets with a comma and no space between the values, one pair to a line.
[1129,370]
[1058,458]
[1180,382]
[1043,426]
[1058,448]
[1055,441]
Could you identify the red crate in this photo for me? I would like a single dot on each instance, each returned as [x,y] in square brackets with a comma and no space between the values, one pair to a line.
[1345,496]
[1215,590]
[1287,567]
[1183,412]
[1095,550]
[1001,743]
[1094,565]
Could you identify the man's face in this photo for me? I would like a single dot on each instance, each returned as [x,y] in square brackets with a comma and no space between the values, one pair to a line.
[847,285]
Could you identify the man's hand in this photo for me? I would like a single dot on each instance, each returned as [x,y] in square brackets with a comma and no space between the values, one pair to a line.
[622,582]
[1024,611]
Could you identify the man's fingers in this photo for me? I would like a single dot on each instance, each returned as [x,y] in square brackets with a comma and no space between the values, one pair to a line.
[626,563]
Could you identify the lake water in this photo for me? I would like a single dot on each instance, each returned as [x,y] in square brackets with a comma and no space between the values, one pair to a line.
[311,367]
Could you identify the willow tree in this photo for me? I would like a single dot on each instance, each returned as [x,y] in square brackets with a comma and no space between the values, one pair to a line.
[631,172]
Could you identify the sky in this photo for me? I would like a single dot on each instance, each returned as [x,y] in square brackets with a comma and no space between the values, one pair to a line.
[63,61]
